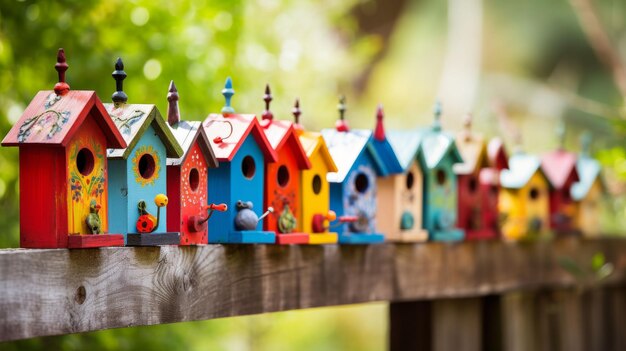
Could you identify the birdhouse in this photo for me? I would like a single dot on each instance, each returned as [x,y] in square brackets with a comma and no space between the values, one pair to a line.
[399,196]
[524,199]
[316,216]
[478,183]
[138,172]
[438,155]
[62,138]
[588,191]
[282,178]
[560,169]
[239,144]
[353,187]
[187,177]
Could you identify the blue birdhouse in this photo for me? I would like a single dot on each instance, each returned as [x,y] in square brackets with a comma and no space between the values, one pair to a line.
[360,158]
[138,173]
[240,146]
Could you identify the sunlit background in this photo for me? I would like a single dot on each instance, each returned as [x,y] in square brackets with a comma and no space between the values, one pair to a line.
[520,67]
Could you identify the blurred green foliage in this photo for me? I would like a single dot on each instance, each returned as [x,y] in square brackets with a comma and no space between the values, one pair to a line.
[532,57]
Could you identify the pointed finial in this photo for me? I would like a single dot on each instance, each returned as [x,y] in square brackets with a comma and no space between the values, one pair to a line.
[119,96]
[341,125]
[296,115]
[228,93]
[173,114]
[61,88]
[267,114]
[379,131]
[560,133]
[467,126]
[585,144]
[437,114]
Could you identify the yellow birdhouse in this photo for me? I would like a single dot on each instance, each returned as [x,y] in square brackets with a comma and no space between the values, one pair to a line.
[588,192]
[315,190]
[524,198]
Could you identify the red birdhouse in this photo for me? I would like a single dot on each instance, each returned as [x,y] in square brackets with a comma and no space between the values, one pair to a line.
[63,136]
[282,178]
[478,186]
[560,169]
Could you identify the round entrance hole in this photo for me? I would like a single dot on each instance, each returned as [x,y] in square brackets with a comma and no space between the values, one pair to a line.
[317,184]
[248,167]
[410,180]
[146,166]
[473,185]
[534,193]
[194,179]
[282,176]
[441,177]
[84,161]
[361,183]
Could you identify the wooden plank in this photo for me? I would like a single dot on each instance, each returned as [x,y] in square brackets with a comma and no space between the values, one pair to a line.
[49,292]
[518,316]
[410,325]
[457,324]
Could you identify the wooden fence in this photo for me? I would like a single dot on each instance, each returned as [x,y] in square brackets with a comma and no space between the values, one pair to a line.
[485,295]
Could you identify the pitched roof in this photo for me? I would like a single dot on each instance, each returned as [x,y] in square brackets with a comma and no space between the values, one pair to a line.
[186,134]
[227,134]
[406,145]
[387,156]
[132,120]
[473,149]
[496,154]
[345,148]
[313,142]
[282,133]
[435,146]
[52,119]
[559,166]
[588,171]
[521,169]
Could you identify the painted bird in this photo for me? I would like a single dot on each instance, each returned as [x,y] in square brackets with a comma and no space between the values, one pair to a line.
[93,218]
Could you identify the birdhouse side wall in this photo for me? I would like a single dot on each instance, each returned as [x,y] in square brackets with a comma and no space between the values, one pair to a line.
[489,205]
[193,180]
[174,184]
[313,203]
[278,194]
[388,204]
[87,177]
[440,199]
[118,194]
[512,213]
[220,225]
[43,202]
[145,184]
[589,211]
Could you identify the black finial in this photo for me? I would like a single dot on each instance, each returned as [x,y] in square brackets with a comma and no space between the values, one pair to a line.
[173,114]
[296,112]
[119,96]
[61,88]
[341,124]
[267,114]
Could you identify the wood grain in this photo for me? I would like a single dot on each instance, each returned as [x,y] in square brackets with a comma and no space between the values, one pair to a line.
[49,292]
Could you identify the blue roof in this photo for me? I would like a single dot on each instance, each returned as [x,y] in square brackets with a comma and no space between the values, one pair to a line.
[387,156]
[521,168]
[346,147]
[406,145]
[588,171]
[436,145]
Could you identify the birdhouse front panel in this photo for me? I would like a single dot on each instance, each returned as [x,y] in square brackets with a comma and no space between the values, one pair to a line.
[241,179]
[440,207]
[400,205]
[87,193]
[192,181]
[315,193]
[356,196]
[525,211]
[282,193]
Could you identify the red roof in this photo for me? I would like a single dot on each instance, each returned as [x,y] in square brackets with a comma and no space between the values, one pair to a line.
[559,166]
[226,135]
[52,119]
[281,133]
[496,153]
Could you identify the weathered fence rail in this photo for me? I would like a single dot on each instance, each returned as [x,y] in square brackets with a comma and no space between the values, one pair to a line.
[49,292]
